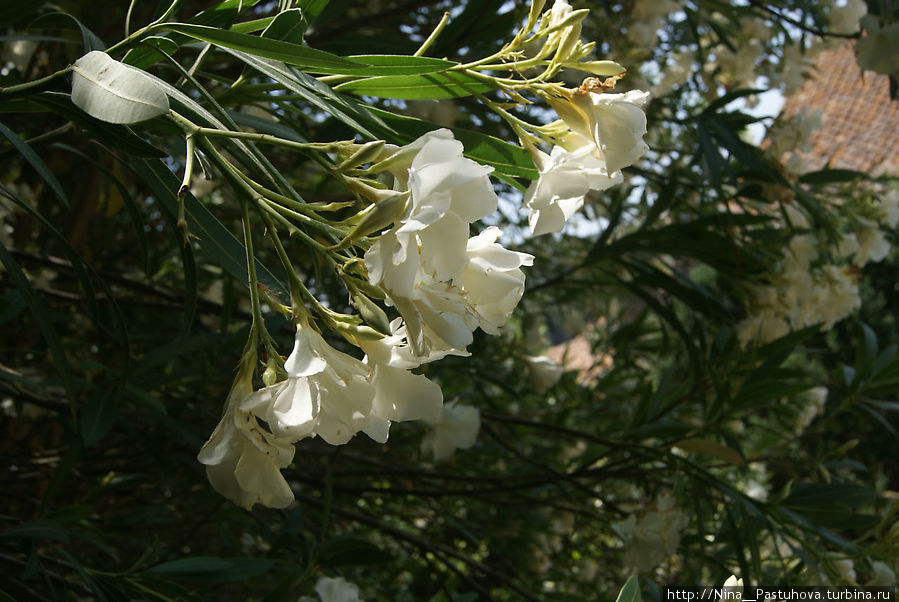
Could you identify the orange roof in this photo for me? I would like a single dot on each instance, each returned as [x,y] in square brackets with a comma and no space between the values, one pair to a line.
[859,122]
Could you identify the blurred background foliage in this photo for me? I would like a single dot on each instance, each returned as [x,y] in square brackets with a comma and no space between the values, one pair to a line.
[119,343]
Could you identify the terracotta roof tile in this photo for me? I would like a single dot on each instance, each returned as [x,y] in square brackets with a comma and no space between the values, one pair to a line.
[860,124]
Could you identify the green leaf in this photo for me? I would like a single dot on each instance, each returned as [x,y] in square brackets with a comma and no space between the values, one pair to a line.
[223,13]
[317,94]
[216,241]
[148,53]
[40,528]
[505,157]
[61,20]
[831,176]
[349,550]
[97,418]
[114,92]
[450,84]
[221,570]
[288,26]
[316,61]
[36,162]
[312,8]
[119,136]
[389,64]
[40,315]
[631,591]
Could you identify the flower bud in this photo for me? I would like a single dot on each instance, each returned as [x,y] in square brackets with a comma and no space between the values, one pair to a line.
[600,68]
[376,217]
[373,315]
[366,153]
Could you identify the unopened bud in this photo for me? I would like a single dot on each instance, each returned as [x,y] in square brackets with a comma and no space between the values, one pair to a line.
[601,68]
[364,154]
[373,315]
[360,331]
[270,376]
[377,217]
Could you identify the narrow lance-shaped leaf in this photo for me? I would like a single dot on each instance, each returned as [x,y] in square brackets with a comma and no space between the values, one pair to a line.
[35,161]
[114,92]
[449,84]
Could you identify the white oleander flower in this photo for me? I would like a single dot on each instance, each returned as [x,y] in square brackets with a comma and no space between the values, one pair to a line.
[872,245]
[889,208]
[438,321]
[676,72]
[735,586]
[544,373]
[655,536]
[844,567]
[334,589]
[492,281]
[883,574]
[801,252]
[844,19]
[243,460]
[457,428]
[565,178]
[838,295]
[615,123]
[763,326]
[647,18]
[847,245]
[416,259]
[327,393]
[399,394]
[815,400]
[443,283]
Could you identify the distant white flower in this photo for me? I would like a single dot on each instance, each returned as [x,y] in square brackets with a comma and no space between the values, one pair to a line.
[655,536]
[565,178]
[844,567]
[544,372]
[735,585]
[838,296]
[883,574]
[889,208]
[872,245]
[457,428]
[801,252]
[762,326]
[814,407]
[677,71]
[844,18]
[334,589]
[847,245]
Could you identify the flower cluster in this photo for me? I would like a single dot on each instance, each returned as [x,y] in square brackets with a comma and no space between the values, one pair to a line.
[334,589]
[427,256]
[443,283]
[654,536]
[809,288]
[605,135]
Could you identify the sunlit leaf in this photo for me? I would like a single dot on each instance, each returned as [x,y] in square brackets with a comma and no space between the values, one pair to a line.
[114,92]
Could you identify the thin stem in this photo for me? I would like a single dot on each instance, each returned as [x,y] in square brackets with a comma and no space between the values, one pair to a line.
[191,127]
[128,17]
[427,43]
[292,277]
[19,89]
[185,186]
